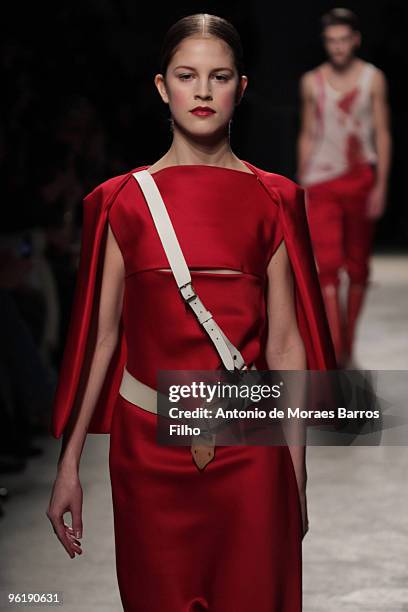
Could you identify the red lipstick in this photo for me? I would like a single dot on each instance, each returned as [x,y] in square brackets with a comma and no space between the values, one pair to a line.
[202,111]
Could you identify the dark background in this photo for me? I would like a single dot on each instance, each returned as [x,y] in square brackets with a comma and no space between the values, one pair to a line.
[79,104]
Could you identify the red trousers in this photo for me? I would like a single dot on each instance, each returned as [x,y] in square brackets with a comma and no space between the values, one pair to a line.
[341,233]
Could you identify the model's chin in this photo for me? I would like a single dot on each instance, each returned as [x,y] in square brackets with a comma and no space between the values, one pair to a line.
[202,127]
[341,61]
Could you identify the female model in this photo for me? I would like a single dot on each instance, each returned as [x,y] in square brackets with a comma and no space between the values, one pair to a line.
[226,538]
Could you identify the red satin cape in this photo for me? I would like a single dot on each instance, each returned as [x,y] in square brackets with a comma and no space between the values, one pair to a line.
[311,316]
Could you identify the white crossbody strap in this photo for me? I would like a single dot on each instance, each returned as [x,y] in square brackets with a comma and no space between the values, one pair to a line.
[230,356]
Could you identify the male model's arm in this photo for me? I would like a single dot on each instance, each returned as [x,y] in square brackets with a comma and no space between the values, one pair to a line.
[306,135]
[382,136]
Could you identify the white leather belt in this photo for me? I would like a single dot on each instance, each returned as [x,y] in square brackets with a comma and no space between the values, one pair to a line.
[136,392]
[142,395]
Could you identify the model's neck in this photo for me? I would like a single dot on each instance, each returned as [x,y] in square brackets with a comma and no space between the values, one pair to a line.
[344,68]
[188,151]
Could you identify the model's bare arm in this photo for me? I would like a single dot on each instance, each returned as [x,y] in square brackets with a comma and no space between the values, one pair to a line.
[67,493]
[383,143]
[285,351]
[110,309]
[306,135]
[284,347]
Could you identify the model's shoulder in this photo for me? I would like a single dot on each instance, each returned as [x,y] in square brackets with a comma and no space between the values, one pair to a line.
[379,78]
[308,76]
[282,189]
[312,73]
[280,182]
[308,82]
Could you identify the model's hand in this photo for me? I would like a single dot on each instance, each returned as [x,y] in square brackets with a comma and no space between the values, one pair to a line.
[376,202]
[305,520]
[66,496]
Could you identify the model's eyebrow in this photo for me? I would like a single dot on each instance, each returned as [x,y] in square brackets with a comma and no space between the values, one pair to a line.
[213,70]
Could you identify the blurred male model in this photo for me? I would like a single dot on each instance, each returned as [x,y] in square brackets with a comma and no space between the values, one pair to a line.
[344,151]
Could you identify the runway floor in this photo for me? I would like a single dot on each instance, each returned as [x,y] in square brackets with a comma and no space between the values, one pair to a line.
[355,555]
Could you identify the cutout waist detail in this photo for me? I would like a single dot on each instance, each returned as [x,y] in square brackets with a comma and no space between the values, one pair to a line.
[231,272]
[212,270]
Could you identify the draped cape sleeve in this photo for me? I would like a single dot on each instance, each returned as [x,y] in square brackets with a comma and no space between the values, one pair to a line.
[80,341]
[81,336]
[310,311]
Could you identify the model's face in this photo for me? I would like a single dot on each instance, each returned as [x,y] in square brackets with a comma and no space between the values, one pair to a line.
[340,42]
[201,73]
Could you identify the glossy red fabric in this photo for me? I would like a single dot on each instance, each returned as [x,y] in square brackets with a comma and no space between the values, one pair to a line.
[286,199]
[342,234]
[228,538]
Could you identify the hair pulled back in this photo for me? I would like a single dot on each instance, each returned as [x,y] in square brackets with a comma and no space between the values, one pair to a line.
[205,25]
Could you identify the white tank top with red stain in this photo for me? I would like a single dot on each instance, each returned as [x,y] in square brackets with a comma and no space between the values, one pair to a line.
[343,128]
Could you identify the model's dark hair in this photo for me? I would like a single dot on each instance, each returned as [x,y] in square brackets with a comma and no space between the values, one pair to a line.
[340,16]
[201,23]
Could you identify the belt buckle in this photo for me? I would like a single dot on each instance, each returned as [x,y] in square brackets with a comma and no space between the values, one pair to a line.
[189,290]
[193,301]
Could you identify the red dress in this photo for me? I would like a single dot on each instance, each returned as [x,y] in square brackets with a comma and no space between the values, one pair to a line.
[227,538]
